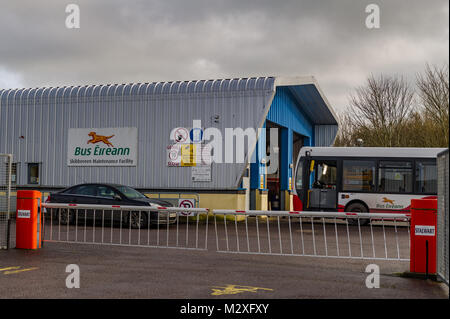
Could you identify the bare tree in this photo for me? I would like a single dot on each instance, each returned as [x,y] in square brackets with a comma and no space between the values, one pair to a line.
[433,87]
[345,133]
[380,109]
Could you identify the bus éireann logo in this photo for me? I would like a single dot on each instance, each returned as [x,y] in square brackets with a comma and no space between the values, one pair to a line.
[387,200]
[100,138]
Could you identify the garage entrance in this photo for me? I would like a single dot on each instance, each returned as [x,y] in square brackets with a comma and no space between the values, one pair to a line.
[273,180]
[285,152]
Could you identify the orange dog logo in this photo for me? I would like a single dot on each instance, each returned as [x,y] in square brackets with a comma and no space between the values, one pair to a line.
[387,200]
[99,138]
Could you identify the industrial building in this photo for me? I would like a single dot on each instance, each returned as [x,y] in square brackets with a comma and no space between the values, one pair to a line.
[125,133]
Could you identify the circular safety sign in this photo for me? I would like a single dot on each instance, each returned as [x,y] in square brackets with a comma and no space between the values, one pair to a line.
[181,135]
[186,203]
[196,135]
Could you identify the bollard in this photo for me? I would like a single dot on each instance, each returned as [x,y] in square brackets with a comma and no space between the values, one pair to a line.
[28,219]
[423,236]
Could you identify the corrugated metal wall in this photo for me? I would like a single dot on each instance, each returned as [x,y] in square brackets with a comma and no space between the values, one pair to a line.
[324,135]
[285,111]
[43,117]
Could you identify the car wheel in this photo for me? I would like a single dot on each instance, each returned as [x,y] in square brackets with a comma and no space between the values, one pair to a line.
[357,208]
[66,216]
[138,220]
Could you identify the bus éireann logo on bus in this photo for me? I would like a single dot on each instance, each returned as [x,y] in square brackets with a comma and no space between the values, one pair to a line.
[100,138]
[389,204]
[387,200]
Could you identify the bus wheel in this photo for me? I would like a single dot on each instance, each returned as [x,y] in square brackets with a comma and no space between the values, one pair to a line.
[357,208]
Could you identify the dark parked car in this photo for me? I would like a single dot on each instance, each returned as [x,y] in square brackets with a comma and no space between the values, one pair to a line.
[109,194]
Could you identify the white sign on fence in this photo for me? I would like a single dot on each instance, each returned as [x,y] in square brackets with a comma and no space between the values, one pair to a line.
[425,230]
[186,203]
[116,146]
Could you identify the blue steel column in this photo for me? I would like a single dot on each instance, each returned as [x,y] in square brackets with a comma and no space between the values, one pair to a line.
[307,141]
[287,145]
[257,168]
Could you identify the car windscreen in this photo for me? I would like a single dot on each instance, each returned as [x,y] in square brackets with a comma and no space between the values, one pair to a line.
[130,192]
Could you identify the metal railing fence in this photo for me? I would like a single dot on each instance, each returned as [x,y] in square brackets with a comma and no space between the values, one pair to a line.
[5,198]
[176,198]
[170,227]
[319,234]
[443,216]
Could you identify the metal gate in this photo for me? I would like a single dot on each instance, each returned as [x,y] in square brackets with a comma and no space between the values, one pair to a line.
[176,198]
[318,234]
[442,218]
[5,198]
[145,226]
[314,234]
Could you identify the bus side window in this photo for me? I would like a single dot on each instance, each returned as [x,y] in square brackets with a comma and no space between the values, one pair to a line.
[426,177]
[395,176]
[358,175]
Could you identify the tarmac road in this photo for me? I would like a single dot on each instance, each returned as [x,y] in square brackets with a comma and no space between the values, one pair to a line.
[142,272]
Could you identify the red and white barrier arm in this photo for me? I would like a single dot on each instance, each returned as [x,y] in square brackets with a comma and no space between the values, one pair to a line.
[311,214]
[125,208]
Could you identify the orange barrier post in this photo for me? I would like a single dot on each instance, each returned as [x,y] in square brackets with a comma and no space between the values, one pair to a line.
[423,236]
[28,219]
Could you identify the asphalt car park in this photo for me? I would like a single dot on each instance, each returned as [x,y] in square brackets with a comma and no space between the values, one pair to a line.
[115,271]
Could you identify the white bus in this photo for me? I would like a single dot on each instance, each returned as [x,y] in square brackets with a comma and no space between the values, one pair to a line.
[364,179]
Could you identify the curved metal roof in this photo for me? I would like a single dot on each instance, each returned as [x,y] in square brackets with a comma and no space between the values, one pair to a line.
[305,90]
[176,87]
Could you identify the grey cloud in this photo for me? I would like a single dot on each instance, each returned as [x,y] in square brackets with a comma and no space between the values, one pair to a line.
[131,41]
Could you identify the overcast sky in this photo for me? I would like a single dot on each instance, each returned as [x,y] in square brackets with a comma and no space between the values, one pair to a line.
[163,40]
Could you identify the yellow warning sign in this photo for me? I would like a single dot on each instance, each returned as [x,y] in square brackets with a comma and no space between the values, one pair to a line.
[188,154]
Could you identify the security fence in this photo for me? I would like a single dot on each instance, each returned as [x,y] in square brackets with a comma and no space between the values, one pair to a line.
[184,199]
[319,234]
[442,218]
[5,198]
[169,227]
[339,235]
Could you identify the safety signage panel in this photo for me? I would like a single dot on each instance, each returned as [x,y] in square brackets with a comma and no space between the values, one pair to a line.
[188,155]
[186,203]
[201,174]
[196,135]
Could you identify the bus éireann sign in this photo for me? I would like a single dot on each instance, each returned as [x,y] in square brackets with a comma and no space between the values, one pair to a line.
[115,146]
